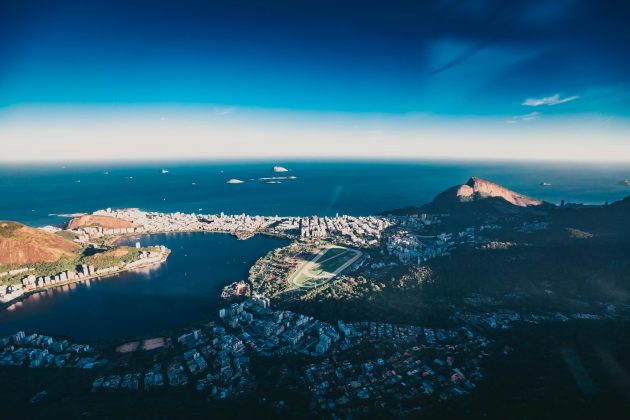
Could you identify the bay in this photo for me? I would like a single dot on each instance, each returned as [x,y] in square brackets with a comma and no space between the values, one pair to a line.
[181,291]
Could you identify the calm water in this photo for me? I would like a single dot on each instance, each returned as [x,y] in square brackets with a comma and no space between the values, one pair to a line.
[183,290]
[30,193]
[186,288]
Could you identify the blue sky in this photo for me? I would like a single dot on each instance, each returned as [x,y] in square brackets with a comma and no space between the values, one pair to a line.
[516,62]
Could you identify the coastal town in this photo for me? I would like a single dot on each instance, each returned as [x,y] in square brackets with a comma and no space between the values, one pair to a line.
[344,368]
[319,210]
[32,283]
[347,368]
[403,237]
[349,230]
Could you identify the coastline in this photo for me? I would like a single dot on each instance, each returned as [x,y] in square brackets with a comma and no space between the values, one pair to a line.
[5,305]
[241,236]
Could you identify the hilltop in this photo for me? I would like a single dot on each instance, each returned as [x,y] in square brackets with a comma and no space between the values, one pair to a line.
[479,199]
[106,222]
[477,189]
[21,244]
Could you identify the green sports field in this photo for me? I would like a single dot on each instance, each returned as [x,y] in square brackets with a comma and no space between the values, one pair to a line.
[326,264]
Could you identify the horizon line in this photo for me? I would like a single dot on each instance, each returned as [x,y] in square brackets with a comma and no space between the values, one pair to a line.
[317,159]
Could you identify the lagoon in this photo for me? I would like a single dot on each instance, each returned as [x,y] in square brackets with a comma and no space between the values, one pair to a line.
[180,292]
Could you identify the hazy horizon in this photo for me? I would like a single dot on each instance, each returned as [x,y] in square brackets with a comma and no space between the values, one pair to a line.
[547,80]
[60,133]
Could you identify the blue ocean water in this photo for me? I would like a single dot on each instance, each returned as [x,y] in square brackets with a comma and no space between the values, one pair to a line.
[182,291]
[31,193]
[186,288]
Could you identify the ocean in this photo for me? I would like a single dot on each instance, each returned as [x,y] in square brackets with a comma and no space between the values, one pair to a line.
[186,288]
[34,194]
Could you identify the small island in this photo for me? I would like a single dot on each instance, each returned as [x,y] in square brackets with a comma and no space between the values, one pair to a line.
[280,169]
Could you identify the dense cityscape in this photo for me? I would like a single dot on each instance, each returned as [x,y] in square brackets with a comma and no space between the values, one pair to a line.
[346,367]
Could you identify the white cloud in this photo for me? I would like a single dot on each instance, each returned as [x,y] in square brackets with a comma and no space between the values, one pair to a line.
[527,117]
[223,110]
[531,116]
[549,100]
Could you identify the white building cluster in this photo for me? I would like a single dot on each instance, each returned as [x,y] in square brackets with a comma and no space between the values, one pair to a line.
[176,222]
[350,230]
[357,231]
[270,332]
[31,282]
[416,249]
[85,233]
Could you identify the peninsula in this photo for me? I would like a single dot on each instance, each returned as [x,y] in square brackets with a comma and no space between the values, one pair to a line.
[33,260]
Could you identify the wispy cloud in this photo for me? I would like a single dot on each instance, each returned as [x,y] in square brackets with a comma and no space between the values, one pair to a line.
[217,110]
[527,117]
[548,100]
[531,116]
[460,58]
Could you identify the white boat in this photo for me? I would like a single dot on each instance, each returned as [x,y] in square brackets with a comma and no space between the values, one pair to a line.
[280,169]
[164,171]
[234,181]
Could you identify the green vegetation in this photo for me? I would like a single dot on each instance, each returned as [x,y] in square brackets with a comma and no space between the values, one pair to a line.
[399,295]
[115,257]
[322,267]
[118,256]
[66,234]
[7,229]
[40,269]
[332,260]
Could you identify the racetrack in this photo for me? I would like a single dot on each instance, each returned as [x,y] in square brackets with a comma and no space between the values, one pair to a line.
[329,262]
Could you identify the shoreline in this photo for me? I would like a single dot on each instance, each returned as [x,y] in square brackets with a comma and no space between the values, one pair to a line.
[6,305]
[114,240]
[241,236]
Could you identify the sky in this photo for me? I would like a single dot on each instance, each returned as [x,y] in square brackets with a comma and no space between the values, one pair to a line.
[489,79]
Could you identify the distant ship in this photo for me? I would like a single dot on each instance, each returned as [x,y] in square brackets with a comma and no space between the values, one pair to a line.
[276,178]
[164,171]
[234,181]
[545,184]
[280,169]
[625,182]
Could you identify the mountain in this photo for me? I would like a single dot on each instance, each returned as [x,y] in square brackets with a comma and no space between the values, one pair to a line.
[20,244]
[479,199]
[106,222]
[477,189]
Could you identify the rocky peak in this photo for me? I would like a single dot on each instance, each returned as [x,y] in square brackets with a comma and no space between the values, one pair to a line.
[477,189]
[481,188]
